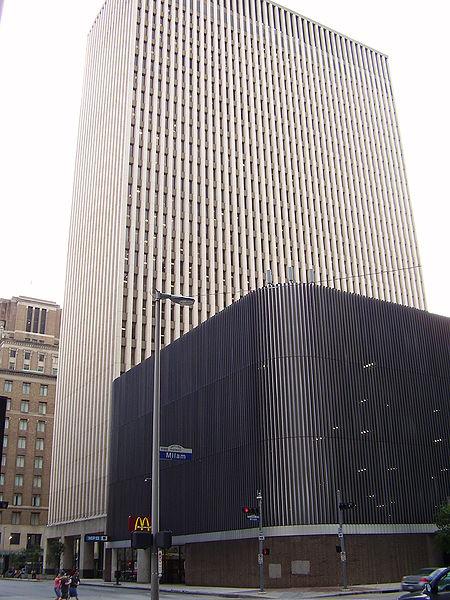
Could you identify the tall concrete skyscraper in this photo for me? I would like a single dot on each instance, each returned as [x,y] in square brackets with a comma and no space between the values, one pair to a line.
[217,141]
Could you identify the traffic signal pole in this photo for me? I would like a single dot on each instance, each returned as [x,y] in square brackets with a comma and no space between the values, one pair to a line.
[260,542]
[154,576]
[342,541]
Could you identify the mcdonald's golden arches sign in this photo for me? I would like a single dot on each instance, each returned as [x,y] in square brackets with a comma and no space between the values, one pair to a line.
[139,523]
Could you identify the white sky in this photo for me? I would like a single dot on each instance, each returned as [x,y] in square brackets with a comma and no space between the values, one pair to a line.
[42,47]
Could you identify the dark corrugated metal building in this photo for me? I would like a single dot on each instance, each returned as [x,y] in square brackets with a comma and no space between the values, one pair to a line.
[297,390]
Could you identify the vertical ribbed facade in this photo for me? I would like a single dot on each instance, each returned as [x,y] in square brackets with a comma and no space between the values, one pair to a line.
[90,338]
[309,390]
[298,391]
[217,141]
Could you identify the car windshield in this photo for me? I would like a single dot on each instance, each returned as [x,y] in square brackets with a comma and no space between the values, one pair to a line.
[436,571]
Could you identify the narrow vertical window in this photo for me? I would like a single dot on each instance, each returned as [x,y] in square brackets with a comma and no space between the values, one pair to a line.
[29,318]
[36,320]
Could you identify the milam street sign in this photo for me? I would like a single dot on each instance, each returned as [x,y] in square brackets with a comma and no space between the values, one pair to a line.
[175,452]
[90,537]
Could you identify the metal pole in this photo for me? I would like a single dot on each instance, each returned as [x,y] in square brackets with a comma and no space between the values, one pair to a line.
[154,592]
[342,541]
[260,542]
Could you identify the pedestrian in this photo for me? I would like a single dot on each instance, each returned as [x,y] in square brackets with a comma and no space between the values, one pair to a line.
[73,585]
[57,586]
[65,579]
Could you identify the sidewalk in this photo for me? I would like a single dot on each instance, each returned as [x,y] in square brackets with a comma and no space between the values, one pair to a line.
[275,594]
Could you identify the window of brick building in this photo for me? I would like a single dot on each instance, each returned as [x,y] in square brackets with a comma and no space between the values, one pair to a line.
[33,540]
[14,539]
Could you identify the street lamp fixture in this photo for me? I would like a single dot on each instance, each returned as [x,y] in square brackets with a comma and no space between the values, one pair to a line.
[181,301]
[175,298]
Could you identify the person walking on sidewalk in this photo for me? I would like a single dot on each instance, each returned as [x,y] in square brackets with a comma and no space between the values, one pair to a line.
[65,579]
[73,585]
[57,586]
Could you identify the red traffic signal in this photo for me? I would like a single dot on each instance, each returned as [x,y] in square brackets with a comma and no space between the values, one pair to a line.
[266,551]
[250,511]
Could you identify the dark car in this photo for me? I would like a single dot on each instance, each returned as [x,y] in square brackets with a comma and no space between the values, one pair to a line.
[416,583]
[437,588]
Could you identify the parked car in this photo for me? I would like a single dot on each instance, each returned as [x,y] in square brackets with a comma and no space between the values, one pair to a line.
[436,588]
[416,583]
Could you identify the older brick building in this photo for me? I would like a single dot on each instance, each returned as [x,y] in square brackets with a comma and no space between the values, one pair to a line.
[29,343]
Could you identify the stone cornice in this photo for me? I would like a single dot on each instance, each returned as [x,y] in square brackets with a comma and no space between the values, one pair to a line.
[22,343]
[22,374]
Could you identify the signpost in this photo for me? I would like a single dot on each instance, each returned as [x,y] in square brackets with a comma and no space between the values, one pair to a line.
[341,539]
[260,542]
[175,452]
[254,513]
[341,507]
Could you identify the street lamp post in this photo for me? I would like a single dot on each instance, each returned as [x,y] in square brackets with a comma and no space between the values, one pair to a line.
[182,301]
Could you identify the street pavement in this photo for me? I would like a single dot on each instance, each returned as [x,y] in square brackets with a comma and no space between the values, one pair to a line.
[21,589]
[35,590]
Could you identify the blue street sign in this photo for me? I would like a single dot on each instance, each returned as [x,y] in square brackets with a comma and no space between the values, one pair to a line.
[175,452]
[91,537]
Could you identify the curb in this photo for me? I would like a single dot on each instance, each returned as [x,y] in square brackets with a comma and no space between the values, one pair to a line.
[185,591]
[354,592]
[252,594]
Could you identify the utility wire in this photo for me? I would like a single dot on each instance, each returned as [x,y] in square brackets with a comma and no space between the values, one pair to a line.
[327,280]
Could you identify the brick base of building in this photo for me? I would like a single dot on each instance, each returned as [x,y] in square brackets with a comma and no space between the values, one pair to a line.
[310,561]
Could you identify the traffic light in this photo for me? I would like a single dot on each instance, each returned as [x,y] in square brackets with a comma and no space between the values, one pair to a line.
[164,539]
[250,512]
[141,540]
[266,551]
